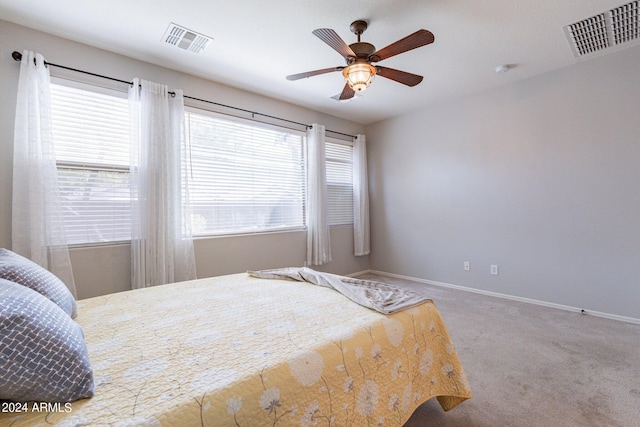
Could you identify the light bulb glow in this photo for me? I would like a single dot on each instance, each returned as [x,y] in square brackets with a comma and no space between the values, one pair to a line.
[359,76]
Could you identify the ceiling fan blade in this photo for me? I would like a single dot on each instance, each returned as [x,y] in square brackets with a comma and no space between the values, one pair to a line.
[347,93]
[332,38]
[399,76]
[313,73]
[412,41]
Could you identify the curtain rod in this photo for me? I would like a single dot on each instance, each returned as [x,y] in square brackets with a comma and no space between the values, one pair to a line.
[17,56]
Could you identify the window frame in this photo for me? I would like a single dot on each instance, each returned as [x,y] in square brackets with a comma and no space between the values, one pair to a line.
[348,143]
[264,125]
[196,109]
[89,166]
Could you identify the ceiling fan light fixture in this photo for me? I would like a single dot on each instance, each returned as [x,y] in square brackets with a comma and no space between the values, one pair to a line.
[359,76]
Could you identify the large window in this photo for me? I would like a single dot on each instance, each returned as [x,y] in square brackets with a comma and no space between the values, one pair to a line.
[245,177]
[91,137]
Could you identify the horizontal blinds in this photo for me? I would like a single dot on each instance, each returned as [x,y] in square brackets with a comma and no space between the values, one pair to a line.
[91,137]
[90,127]
[97,205]
[339,161]
[244,178]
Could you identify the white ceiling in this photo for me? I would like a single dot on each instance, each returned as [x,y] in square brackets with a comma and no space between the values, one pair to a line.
[256,43]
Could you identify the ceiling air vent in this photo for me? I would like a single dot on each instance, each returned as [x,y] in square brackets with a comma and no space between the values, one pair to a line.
[606,30]
[625,23]
[185,39]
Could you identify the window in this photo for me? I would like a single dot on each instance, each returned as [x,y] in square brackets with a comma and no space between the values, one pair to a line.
[339,159]
[245,177]
[91,136]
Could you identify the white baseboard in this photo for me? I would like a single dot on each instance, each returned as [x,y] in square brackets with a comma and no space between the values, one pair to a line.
[509,297]
[359,273]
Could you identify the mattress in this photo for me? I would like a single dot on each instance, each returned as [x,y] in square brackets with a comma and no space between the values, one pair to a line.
[237,350]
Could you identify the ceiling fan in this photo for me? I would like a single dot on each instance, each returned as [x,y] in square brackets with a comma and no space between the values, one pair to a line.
[359,71]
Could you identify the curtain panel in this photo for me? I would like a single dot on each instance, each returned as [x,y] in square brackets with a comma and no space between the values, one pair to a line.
[161,240]
[361,234]
[37,219]
[318,240]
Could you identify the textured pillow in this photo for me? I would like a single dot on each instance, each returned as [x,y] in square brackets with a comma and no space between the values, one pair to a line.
[43,356]
[23,271]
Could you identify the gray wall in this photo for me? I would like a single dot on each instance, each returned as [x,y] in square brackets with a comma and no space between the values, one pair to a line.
[105,269]
[540,177]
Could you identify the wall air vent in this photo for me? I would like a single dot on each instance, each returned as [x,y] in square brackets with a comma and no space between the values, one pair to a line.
[185,39]
[613,28]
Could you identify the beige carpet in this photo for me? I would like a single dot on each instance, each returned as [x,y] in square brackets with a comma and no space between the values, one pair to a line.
[530,365]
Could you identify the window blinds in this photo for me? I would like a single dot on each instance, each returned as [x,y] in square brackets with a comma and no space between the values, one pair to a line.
[91,137]
[244,177]
[339,182]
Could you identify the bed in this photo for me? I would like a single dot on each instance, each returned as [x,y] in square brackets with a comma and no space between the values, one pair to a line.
[237,350]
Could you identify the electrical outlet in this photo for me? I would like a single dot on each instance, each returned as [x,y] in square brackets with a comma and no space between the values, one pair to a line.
[467,266]
[494,270]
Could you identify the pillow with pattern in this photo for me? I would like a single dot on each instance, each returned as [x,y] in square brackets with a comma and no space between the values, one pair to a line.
[18,269]
[43,355]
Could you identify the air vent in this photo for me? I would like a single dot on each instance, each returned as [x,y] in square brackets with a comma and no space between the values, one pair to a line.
[625,23]
[589,35]
[615,27]
[185,39]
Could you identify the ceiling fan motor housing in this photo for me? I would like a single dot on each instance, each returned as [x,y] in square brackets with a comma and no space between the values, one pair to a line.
[363,50]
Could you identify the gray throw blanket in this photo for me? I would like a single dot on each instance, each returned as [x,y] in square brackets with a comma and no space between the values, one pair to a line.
[381,297]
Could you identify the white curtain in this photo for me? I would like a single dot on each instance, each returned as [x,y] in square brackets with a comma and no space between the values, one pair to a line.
[37,223]
[318,241]
[161,241]
[360,197]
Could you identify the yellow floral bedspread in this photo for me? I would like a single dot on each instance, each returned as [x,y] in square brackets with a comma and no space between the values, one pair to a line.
[241,351]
